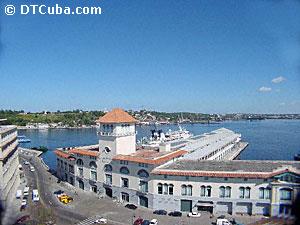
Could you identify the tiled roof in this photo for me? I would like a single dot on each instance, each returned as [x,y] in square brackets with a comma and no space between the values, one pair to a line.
[117,115]
[84,152]
[150,156]
[67,154]
[62,154]
[233,168]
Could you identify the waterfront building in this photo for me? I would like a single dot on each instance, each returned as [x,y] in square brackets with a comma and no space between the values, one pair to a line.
[178,179]
[9,162]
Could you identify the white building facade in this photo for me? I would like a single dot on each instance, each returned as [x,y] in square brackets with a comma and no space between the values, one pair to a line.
[164,179]
[9,172]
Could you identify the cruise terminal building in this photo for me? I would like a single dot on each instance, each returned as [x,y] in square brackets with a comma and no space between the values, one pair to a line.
[178,179]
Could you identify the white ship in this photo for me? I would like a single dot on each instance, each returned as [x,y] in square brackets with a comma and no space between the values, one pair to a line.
[158,137]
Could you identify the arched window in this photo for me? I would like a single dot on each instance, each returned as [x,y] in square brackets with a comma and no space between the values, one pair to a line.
[208,191]
[261,193]
[165,189]
[242,192]
[222,192]
[267,193]
[285,194]
[107,168]
[202,191]
[228,192]
[247,192]
[171,188]
[159,189]
[143,174]
[124,170]
[79,162]
[93,165]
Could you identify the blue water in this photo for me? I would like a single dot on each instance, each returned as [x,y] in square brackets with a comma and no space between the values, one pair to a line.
[268,139]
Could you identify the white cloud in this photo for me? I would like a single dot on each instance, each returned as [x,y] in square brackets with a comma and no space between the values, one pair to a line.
[278,80]
[265,89]
[282,104]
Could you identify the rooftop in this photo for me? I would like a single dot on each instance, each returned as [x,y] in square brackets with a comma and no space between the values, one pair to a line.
[117,115]
[150,156]
[6,128]
[91,150]
[232,168]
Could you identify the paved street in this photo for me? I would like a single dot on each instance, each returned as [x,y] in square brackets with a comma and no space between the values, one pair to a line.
[87,204]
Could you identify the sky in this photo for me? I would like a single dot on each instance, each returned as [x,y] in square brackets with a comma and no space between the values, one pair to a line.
[186,55]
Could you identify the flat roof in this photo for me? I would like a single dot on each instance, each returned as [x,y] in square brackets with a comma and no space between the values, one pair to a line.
[230,168]
[6,128]
[151,156]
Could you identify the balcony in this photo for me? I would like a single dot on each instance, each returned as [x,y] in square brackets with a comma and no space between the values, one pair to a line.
[117,134]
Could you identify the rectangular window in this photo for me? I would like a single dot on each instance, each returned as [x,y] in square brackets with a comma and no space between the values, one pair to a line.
[108,179]
[247,193]
[242,192]
[125,197]
[66,166]
[124,182]
[123,162]
[143,186]
[159,189]
[267,193]
[71,168]
[94,175]
[171,189]
[80,171]
[261,193]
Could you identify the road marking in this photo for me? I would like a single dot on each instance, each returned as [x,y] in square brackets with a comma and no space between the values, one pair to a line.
[89,221]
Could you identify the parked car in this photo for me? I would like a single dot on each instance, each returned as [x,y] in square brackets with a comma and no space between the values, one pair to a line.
[59,192]
[102,220]
[22,219]
[175,213]
[160,212]
[154,222]
[146,222]
[131,206]
[26,163]
[138,221]
[32,169]
[194,214]
[24,202]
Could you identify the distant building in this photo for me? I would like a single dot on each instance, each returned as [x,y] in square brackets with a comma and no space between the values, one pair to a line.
[9,172]
[176,179]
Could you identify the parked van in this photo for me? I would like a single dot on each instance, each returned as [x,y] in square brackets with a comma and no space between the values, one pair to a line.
[35,195]
[222,222]
[19,194]
[26,191]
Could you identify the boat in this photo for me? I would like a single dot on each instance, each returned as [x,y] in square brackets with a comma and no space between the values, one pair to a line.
[158,137]
[23,139]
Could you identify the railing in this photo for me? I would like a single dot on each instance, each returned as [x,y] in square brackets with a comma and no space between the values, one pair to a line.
[116,134]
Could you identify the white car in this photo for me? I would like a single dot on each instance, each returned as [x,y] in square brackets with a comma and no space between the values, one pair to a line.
[154,222]
[26,163]
[24,202]
[101,221]
[32,169]
[194,214]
